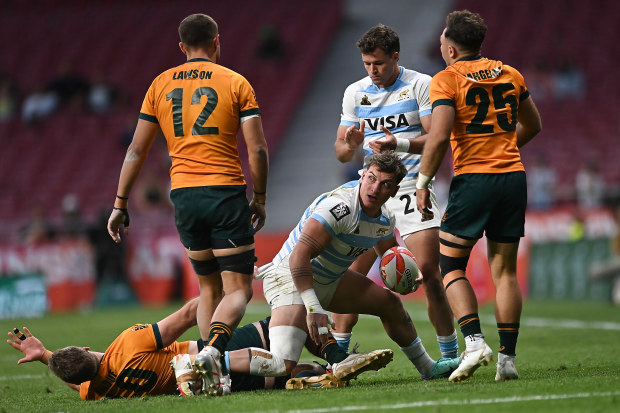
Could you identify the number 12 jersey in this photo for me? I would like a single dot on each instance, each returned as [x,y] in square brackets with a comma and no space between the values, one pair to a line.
[199,106]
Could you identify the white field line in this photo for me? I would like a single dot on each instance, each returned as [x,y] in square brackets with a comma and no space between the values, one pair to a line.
[23,377]
[471,402]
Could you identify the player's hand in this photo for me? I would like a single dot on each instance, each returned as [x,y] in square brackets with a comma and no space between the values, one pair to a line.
[259,214]
[417,282]
[354,137]
[388,143]
[423,201]
[317,327]
[26,343]
[118,217]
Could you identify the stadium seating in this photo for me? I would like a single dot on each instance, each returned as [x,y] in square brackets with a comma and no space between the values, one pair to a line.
[128,44]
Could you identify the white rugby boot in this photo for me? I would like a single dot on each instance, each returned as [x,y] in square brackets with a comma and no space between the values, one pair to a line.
[480,355]
[355,364]
[215,380]
[506,369]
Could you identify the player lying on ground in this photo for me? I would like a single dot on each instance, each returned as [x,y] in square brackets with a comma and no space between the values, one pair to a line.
[138,362]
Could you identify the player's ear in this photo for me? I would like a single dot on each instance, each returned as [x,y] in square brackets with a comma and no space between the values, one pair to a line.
[183,49]
[452,51]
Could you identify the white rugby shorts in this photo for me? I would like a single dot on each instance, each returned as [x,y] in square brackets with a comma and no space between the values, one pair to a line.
[408,218]
[279,289]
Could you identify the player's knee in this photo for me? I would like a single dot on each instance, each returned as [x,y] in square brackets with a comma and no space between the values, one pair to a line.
[242,263]
[287,343]
[266,364]
[448,264]
[433,287]
[204,267]
[392,303]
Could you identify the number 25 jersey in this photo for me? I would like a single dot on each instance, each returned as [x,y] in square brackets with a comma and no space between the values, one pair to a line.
[485,95]
[199,106]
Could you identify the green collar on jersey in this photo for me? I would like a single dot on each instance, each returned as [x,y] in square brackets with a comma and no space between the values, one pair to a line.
[199,59]
[473,57]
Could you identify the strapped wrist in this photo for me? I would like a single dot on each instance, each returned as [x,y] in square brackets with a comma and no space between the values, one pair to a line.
[423,181]
[402,145]
[311,301]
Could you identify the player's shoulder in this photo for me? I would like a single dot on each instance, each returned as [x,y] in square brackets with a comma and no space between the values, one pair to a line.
[447,75]
[510,70]
[359,85]
[341,202]
[389,214]
[412,76]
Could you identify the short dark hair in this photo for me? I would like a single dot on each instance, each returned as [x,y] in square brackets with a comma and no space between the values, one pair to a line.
[197,30]
[73,364]
[382,37]
[466,29]
[390,163]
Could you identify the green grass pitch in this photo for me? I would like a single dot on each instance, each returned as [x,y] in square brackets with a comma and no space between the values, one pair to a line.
[568,359]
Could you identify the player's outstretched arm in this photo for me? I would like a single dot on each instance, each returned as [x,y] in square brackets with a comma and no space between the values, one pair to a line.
[178,322]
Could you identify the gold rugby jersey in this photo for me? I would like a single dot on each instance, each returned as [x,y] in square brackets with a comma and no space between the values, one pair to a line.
[485,94]
[199,106]
[135,364]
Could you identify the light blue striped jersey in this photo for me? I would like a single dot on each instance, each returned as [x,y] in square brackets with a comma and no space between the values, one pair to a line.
[353,232]
[398,108]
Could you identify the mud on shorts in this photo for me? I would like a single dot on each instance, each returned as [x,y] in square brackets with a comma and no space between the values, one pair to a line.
[279,289]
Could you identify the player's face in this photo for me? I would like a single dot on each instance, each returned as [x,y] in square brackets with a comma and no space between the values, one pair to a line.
[376,188]
[382,68]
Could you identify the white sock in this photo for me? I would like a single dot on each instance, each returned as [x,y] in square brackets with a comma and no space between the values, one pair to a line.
[343,340]
[417,354]
[474,341]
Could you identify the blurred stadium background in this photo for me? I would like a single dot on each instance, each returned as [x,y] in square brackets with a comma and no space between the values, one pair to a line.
[61,155]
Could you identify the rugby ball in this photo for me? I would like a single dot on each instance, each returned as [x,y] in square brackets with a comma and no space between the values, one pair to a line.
[399,270]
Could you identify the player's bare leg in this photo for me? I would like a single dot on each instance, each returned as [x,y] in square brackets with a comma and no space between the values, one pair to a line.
[345,322]
[211,294]
[210,287]
[464,304]
[237,292]
[425,247]
[357,294]
[508,305]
